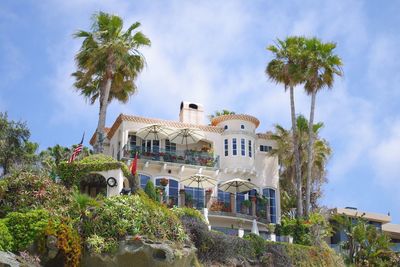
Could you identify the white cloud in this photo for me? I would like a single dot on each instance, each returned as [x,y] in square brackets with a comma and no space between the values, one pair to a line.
[385,156]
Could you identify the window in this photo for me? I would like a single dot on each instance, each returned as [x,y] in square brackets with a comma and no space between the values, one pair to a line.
[269,193]
[226,147]
[156,146]
[170,147]
[264,148]
[132,142]
[239,200]
[250,150]
[225,198]
[143,180]
[171,192]
[194,197]
[241,126]
[243,146]
[226,127]
[234,147]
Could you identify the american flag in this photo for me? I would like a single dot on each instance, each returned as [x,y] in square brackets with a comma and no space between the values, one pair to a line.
[77,150]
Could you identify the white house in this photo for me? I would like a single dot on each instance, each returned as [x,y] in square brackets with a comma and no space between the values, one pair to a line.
[228,148]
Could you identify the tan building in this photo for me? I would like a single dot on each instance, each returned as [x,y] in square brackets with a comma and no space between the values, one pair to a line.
[229,147]
[381,221]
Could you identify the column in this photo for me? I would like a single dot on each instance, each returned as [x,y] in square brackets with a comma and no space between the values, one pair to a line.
[233,203]
[182,198]
[253,205]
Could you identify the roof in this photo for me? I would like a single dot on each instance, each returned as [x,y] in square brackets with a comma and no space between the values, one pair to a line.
[393,230]
[264,135]
[374,217]
[242,117]
[169,123]
[176,124]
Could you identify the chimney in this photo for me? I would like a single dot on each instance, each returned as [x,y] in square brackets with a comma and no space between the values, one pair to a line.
[191,113]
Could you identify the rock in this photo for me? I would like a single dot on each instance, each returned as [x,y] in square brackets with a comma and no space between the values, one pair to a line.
[8,259]
[143,252]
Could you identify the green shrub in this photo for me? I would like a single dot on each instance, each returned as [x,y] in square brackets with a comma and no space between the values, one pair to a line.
[71,173]
[26,228]
[150,190]
[189,212]
[26,191]
[214,246]
[6,239]
[133,215]
[257,243]
[68,241]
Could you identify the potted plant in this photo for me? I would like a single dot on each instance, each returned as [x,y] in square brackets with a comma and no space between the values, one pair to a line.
[164,182]
[245,206]
[271,230]
[240,224]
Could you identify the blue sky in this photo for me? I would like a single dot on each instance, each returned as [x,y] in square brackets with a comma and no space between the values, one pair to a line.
[213,52]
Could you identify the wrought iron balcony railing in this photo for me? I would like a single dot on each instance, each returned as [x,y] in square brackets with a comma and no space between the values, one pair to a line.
[191,157]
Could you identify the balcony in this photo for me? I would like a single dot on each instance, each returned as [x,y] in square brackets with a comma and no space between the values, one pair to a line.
[225,208]
[189,157]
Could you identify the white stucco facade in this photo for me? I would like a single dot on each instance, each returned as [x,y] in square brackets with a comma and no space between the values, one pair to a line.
[231,148]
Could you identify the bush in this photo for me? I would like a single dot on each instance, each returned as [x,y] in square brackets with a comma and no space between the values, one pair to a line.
[133,215]
[257,243]
[68,241]
[25,191]
[26,228]
[150,190]
[214,246]
[6,239]
[188,212]
[71,173]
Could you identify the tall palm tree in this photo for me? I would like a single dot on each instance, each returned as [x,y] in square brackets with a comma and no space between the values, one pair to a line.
[109,61]
[321,66]
[286,68]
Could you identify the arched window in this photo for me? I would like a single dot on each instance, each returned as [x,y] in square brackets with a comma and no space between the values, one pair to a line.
[270,195]
[171,191]
[194,197]
[143,180]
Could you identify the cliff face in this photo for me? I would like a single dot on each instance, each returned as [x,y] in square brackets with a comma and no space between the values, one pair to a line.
[133,252]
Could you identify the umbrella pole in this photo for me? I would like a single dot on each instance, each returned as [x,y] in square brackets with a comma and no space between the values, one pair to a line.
[198,193]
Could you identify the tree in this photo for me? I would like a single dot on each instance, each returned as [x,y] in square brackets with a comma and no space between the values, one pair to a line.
[53,156]
[109,61]
[284,150]
[15,147]
[365,245]
[220,113]
[286,68]
[321,66]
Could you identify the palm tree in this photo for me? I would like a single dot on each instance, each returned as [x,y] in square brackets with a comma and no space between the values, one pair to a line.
[286,68]
[109,61]
[321,66]
[284,151]
[220,113]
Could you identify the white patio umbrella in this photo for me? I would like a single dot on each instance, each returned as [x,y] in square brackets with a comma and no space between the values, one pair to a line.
[186,136]
[237,185]
[199,180]
[154,132]
[254,228]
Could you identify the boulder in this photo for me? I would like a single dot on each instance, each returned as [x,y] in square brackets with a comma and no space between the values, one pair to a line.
[143,252]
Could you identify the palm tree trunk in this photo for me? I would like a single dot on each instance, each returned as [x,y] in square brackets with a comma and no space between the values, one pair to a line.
[310,152]
[105,93]
[299,212]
